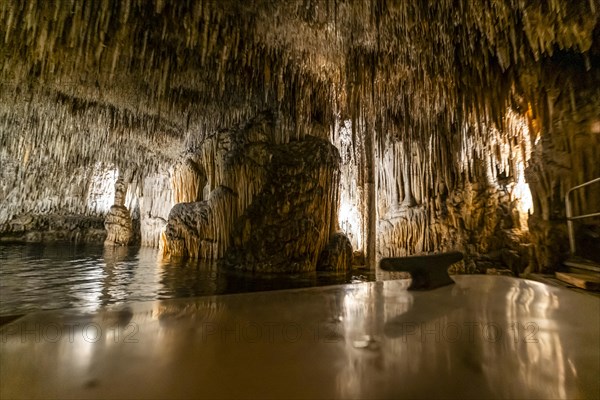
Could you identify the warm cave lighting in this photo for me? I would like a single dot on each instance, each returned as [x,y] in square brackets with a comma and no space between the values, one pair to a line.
[524,202]
[523,196]
[321,198]
[101,192]
[349,220]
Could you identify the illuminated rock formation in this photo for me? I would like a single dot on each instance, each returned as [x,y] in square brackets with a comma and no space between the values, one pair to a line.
[235,162]
[118,224]
[460,125]
[293,217]
[272,207]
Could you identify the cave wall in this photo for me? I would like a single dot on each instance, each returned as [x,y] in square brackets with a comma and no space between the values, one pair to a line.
[419,98]
[61,157]
[565,153]
[270,207]
[465,191]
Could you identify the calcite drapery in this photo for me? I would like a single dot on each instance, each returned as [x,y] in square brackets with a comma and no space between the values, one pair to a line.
[293,217]
[272,207]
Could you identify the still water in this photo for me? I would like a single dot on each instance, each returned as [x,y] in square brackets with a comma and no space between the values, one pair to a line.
[37,277]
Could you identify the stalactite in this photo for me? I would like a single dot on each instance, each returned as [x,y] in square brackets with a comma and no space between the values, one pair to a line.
[132,84]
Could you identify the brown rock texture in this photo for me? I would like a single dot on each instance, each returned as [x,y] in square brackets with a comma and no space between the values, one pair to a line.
[118,224]
[290,222]
[337,255]
[443,111]
[271,208]
[200,229]
[37,228]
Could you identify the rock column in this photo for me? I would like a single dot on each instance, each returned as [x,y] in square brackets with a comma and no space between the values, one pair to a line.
[118,223]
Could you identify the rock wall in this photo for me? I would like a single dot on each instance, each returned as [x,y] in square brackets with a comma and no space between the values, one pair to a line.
[36,228]
[292,219]
[41,202]
[234,163]
[464,191]
[565,119]
[423,90]
[155,202]
[188,179]
[271,207]
[337,255]
[200,229]
[60,157]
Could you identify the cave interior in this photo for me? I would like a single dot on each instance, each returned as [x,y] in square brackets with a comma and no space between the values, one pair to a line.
[304,135]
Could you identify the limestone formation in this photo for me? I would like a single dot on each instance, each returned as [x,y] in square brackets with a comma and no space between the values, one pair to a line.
[188,179]
[36,228]
[460,124]
[271,208]
[292,218]
[200,229]
[155,204]
[235,162]
[337,255]
[118,224]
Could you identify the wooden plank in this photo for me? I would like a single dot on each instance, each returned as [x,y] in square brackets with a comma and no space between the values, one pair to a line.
[582,263]
[583,281]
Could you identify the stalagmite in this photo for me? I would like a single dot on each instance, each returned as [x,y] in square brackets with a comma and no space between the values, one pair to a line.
[118,220]
[445,113]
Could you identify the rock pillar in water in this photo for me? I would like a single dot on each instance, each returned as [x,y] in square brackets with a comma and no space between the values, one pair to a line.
[118,222]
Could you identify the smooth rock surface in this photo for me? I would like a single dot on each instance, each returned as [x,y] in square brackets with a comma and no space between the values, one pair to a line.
[485,337]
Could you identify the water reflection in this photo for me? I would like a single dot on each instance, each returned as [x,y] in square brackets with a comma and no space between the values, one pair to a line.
[34,277]
[354,344]
[489,331]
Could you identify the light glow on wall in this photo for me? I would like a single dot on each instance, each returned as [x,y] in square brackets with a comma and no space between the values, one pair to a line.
[101,192]
[349,215]
[349,219]
[522,195]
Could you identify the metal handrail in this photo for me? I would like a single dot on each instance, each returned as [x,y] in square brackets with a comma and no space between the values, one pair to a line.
[571,218]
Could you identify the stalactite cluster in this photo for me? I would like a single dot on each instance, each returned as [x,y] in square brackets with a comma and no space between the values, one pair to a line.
[418,97]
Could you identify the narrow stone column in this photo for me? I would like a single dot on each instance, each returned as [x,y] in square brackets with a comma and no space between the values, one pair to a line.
[371,201]
[118,222]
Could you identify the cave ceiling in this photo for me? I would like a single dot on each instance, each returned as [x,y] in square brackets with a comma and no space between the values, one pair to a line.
[177,70]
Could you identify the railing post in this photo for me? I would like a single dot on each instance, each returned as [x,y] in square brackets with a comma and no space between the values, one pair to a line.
[570,227]
[569,213]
